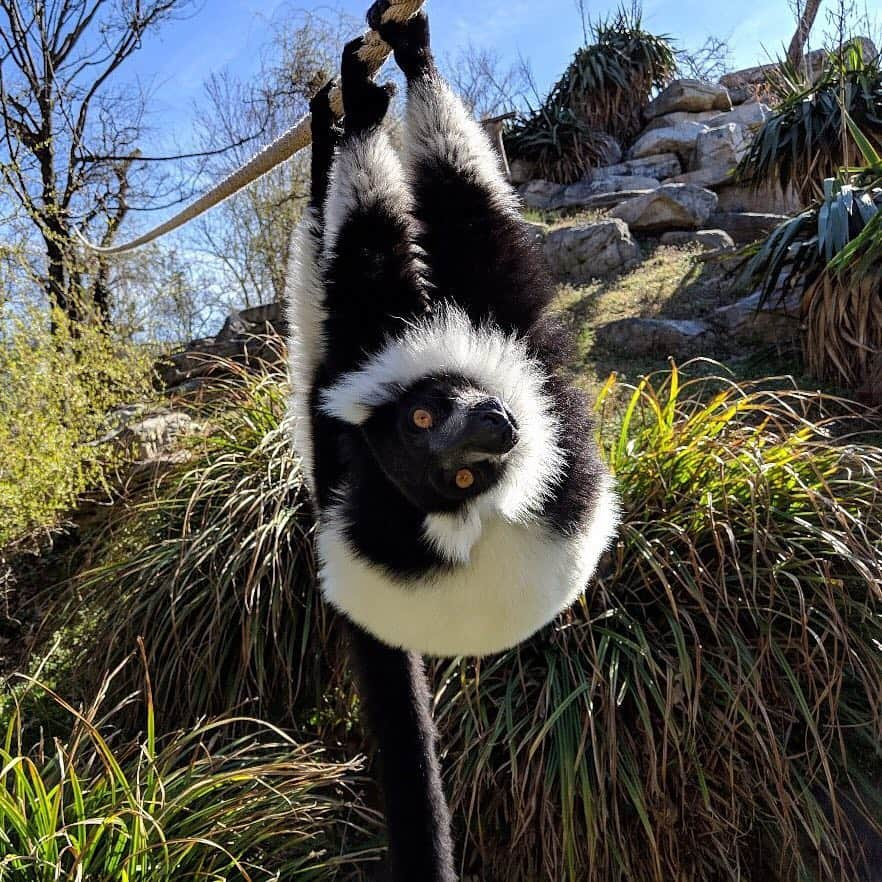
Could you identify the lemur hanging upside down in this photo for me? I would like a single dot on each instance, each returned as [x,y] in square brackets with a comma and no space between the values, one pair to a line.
[461,502]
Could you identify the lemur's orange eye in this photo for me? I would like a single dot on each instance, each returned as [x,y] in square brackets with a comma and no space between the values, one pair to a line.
[422,419]
[465,478]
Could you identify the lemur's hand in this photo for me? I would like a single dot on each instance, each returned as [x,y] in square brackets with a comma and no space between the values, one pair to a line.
[364,102]
[409,39]
[320,105]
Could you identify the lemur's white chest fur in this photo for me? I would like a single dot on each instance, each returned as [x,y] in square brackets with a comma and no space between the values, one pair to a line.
[518,577]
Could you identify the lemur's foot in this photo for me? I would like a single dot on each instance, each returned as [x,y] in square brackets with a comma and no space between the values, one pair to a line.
[409,39]
[364,102]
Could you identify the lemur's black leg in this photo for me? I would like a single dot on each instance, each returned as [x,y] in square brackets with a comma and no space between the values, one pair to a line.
[373,282]
[326,134]
[397,704]
[477,244]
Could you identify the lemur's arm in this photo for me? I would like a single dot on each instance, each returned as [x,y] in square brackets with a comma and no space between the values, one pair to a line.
[396,700]
[371,272]
[480,249]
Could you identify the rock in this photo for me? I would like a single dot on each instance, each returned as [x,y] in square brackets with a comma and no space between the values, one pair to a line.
[520,171]
[680,116]
[659,167]
[745,226]
[671,207]
[542,195]
[536,231]
[655,336]
[721,146]
[150,435]
[751,115]
[741,94]
[709,177]
[690,95]
[768,198]
[776,321]
[679,139]
[709,240]
[620,183]
[602,201]
[585,251]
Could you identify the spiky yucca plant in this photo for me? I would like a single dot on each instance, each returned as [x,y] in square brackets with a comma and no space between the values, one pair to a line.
[196,805]
[713,710]
[832,253]
[603,90]
[806,138]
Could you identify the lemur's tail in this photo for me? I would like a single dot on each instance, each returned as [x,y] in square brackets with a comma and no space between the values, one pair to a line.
[374,53]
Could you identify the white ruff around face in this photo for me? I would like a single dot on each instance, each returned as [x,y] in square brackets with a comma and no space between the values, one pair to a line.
[519,578]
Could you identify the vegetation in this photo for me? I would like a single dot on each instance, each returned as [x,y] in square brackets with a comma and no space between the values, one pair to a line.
[215,569]
[806,139]
[711,710]
[832,253]
[601,94]
[55,392]
[199,804]
[708,713]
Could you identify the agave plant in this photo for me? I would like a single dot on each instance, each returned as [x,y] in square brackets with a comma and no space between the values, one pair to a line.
[806,139]
[603,90]
[832,253]
[712,712]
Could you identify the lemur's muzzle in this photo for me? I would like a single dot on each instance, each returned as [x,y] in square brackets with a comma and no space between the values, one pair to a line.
[486,428]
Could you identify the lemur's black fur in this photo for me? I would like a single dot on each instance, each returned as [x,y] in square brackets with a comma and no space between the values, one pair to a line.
[461,503]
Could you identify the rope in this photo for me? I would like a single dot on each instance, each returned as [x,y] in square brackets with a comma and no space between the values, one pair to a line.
[374,53]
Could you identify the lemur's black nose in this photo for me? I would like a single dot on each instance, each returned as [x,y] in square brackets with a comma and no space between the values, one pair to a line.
[490,428]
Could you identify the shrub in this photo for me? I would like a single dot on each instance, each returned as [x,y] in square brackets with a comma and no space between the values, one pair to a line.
[603,90]
[806,138]
[196,805]
[708,712]
[55,390]
[832,254]
[214,568]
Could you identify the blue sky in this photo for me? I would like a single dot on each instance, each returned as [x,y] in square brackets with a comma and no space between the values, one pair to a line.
[176,61]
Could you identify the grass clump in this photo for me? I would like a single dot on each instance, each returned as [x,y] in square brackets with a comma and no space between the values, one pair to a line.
[712,710]
[215,570]
[55,391]
[601,94]
[196,805]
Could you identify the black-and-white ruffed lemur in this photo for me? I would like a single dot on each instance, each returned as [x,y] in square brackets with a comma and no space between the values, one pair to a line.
[461,502]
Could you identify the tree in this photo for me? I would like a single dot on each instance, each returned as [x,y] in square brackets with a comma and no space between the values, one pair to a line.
[806,16]
[68,137]
[246,238]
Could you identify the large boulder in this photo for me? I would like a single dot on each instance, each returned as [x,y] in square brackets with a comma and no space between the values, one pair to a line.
[655,337]
[585,251]
[521,171]
[751,115]
[665,165]
[767,198]
[679,139]
[600,193]
[669,120]
[542,195]
[746,226]
[753,319]
[671,207]
[689,95]
[717,152]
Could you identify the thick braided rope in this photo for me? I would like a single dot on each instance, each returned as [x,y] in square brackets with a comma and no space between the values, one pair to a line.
[374,53]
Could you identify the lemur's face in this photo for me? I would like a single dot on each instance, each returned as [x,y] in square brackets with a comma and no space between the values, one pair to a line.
[443,442]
